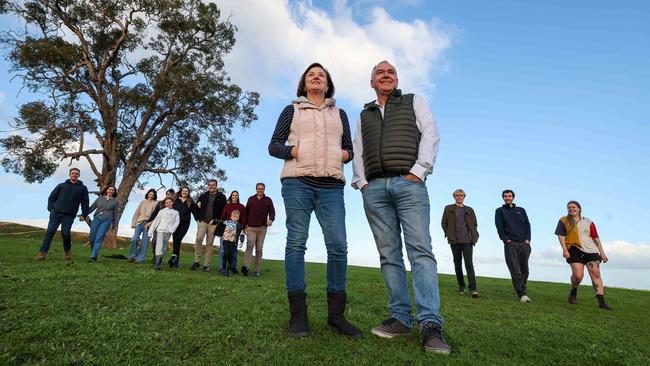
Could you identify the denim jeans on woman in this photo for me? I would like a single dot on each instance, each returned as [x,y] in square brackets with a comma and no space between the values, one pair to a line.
[99,228]
[140,253]
[391,204]
[300,200]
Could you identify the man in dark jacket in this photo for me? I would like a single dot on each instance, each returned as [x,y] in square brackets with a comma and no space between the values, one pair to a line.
[208,208]
[63,205]
[459,225]
[514,230]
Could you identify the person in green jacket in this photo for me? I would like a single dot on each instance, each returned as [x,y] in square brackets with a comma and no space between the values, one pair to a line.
[460,227]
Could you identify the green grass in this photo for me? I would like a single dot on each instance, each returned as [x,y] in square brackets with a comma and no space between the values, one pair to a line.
[112,312]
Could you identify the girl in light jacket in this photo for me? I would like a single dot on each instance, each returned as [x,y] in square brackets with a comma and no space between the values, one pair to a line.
[165,225]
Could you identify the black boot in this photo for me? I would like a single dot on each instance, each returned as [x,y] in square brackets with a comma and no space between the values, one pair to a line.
[298,324]
[335,315]
[602,304]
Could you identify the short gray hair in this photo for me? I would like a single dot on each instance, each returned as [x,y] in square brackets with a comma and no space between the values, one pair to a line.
[458,191]
[374,68]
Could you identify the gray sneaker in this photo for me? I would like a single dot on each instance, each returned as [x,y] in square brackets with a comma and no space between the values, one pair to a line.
[432,339]
[524,299]
[390,328]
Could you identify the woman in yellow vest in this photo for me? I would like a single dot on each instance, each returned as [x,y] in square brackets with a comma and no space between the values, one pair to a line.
[581,247]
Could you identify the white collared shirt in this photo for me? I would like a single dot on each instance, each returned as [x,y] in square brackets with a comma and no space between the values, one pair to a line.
[429,142]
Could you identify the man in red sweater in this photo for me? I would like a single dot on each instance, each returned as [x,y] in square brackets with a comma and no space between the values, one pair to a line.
[260,214]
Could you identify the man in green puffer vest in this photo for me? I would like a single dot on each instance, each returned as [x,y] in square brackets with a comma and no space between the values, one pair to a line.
[395,147]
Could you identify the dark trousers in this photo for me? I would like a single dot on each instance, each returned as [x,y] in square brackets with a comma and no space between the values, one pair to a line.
[178,236]
[517,254]
[153,242]
[57,219]
[460,251]
[229,255]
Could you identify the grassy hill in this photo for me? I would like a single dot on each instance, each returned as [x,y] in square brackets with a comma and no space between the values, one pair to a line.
[112,312]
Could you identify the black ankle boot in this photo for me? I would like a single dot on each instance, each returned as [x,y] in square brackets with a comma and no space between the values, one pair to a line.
[602,304]
[335,315]
[298,324]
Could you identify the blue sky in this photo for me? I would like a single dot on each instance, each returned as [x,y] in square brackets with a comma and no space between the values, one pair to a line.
[550,99]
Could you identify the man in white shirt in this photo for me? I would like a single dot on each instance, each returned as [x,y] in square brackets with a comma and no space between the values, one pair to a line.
[395,146]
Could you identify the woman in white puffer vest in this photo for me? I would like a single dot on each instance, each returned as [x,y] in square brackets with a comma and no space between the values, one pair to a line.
[312,136]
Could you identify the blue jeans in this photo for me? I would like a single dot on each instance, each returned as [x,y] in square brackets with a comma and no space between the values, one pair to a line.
[139,253]
[222,252]
[393,205]
[57,219]
[99,228]
[232,259]
[300,200]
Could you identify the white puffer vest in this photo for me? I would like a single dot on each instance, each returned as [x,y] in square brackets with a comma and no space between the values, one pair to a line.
[317,133]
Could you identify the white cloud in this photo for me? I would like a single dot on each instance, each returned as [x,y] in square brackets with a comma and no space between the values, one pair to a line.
[277,39]
[625,255]
[621,254]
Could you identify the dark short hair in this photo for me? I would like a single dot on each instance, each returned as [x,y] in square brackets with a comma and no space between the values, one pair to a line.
[171,190]
[301,85]
[77,169]
[155,194]
[213,180]
[103,192]
[260,184]
[508,191]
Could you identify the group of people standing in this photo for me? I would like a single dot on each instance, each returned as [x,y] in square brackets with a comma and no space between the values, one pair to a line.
[215,216]
[392,154]
[156,222]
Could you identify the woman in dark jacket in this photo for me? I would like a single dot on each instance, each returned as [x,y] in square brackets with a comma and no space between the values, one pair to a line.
[184,205]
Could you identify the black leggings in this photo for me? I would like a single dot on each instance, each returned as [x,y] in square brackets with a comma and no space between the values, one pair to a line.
[178,236]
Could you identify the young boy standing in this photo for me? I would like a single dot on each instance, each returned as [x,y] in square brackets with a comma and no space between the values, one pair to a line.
[231,232]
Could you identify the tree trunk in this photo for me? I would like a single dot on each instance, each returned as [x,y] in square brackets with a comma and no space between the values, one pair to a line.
[110,240]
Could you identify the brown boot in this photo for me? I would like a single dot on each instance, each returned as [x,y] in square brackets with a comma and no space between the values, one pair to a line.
[601,302]
[67,256]
[573,296]
[40,256]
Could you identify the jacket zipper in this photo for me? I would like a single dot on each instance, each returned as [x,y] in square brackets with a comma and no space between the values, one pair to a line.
[381,140]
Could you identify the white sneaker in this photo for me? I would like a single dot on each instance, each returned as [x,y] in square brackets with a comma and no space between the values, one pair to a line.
[524,299]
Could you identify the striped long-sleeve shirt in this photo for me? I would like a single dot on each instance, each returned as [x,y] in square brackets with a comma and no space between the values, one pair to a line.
[279,149]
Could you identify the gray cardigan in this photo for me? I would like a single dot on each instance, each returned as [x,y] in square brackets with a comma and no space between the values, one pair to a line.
[106,208]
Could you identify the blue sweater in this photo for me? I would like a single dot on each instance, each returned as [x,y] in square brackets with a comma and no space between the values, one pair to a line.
[512,223]
[67,196]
